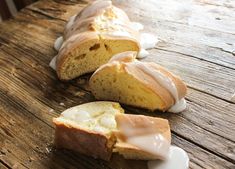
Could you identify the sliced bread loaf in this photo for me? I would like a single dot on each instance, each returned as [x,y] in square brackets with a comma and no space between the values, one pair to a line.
[91,38]
[141,84]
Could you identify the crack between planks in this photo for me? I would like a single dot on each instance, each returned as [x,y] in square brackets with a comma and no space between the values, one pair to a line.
[16,102]
[189,100]
[205,128]
[202,147]
[71,2]
[217,97]
[192,56]
[221,49]
[41,12]
[5,164]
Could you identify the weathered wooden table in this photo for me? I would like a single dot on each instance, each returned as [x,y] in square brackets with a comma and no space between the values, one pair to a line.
[197,39]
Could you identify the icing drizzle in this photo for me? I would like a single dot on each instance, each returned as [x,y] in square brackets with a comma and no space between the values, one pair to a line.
[161,78]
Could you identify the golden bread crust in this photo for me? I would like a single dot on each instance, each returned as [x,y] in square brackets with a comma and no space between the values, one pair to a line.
[136,70]
[83,141]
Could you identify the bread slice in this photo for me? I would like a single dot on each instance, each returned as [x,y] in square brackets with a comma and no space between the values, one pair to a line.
[141,84]
[88,129]
[94,36]
[134,126]
[99,128]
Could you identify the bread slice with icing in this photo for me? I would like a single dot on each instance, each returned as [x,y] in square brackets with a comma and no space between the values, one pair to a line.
[88,129]
[91,38]
[99,128]
[142,84]
[142,137]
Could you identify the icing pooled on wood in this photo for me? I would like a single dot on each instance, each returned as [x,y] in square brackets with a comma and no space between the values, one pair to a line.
[147,41]
[178,106]
[58,43]
[177,159]
[137,26]
[155,144]
[142,54]
[52,63]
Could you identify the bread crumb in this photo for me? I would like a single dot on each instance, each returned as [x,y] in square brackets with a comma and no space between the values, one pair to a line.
[62,104]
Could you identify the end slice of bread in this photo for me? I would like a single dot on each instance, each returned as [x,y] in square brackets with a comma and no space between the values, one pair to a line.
[88,52]
[88,129]
[98,32]
[140,84]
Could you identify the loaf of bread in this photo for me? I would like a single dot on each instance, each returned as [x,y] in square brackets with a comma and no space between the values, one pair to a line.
[142,84]
[98,128]
[92,37]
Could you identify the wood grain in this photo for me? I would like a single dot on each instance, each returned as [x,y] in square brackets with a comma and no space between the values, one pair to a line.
[31,95]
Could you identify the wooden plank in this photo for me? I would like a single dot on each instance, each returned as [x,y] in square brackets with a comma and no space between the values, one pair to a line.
[27,82]
[186,129]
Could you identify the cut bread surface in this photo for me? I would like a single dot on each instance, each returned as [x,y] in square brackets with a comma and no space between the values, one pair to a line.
[89,55]
[88,128]
[113,83]
[134,83]
[93,37]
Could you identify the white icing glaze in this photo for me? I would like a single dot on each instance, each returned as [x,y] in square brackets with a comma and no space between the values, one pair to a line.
[125,56]
[94,7]
[58,43]
[142,54]
[147,40]
[178,106]
[70,22]
[76,115]
[108,121]
[177,159]
[137,26]
[52,63]
[117,34]
[162,79]
[155,144]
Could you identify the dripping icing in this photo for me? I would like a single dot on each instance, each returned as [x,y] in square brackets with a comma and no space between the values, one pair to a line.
[58,43]
[162,79]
